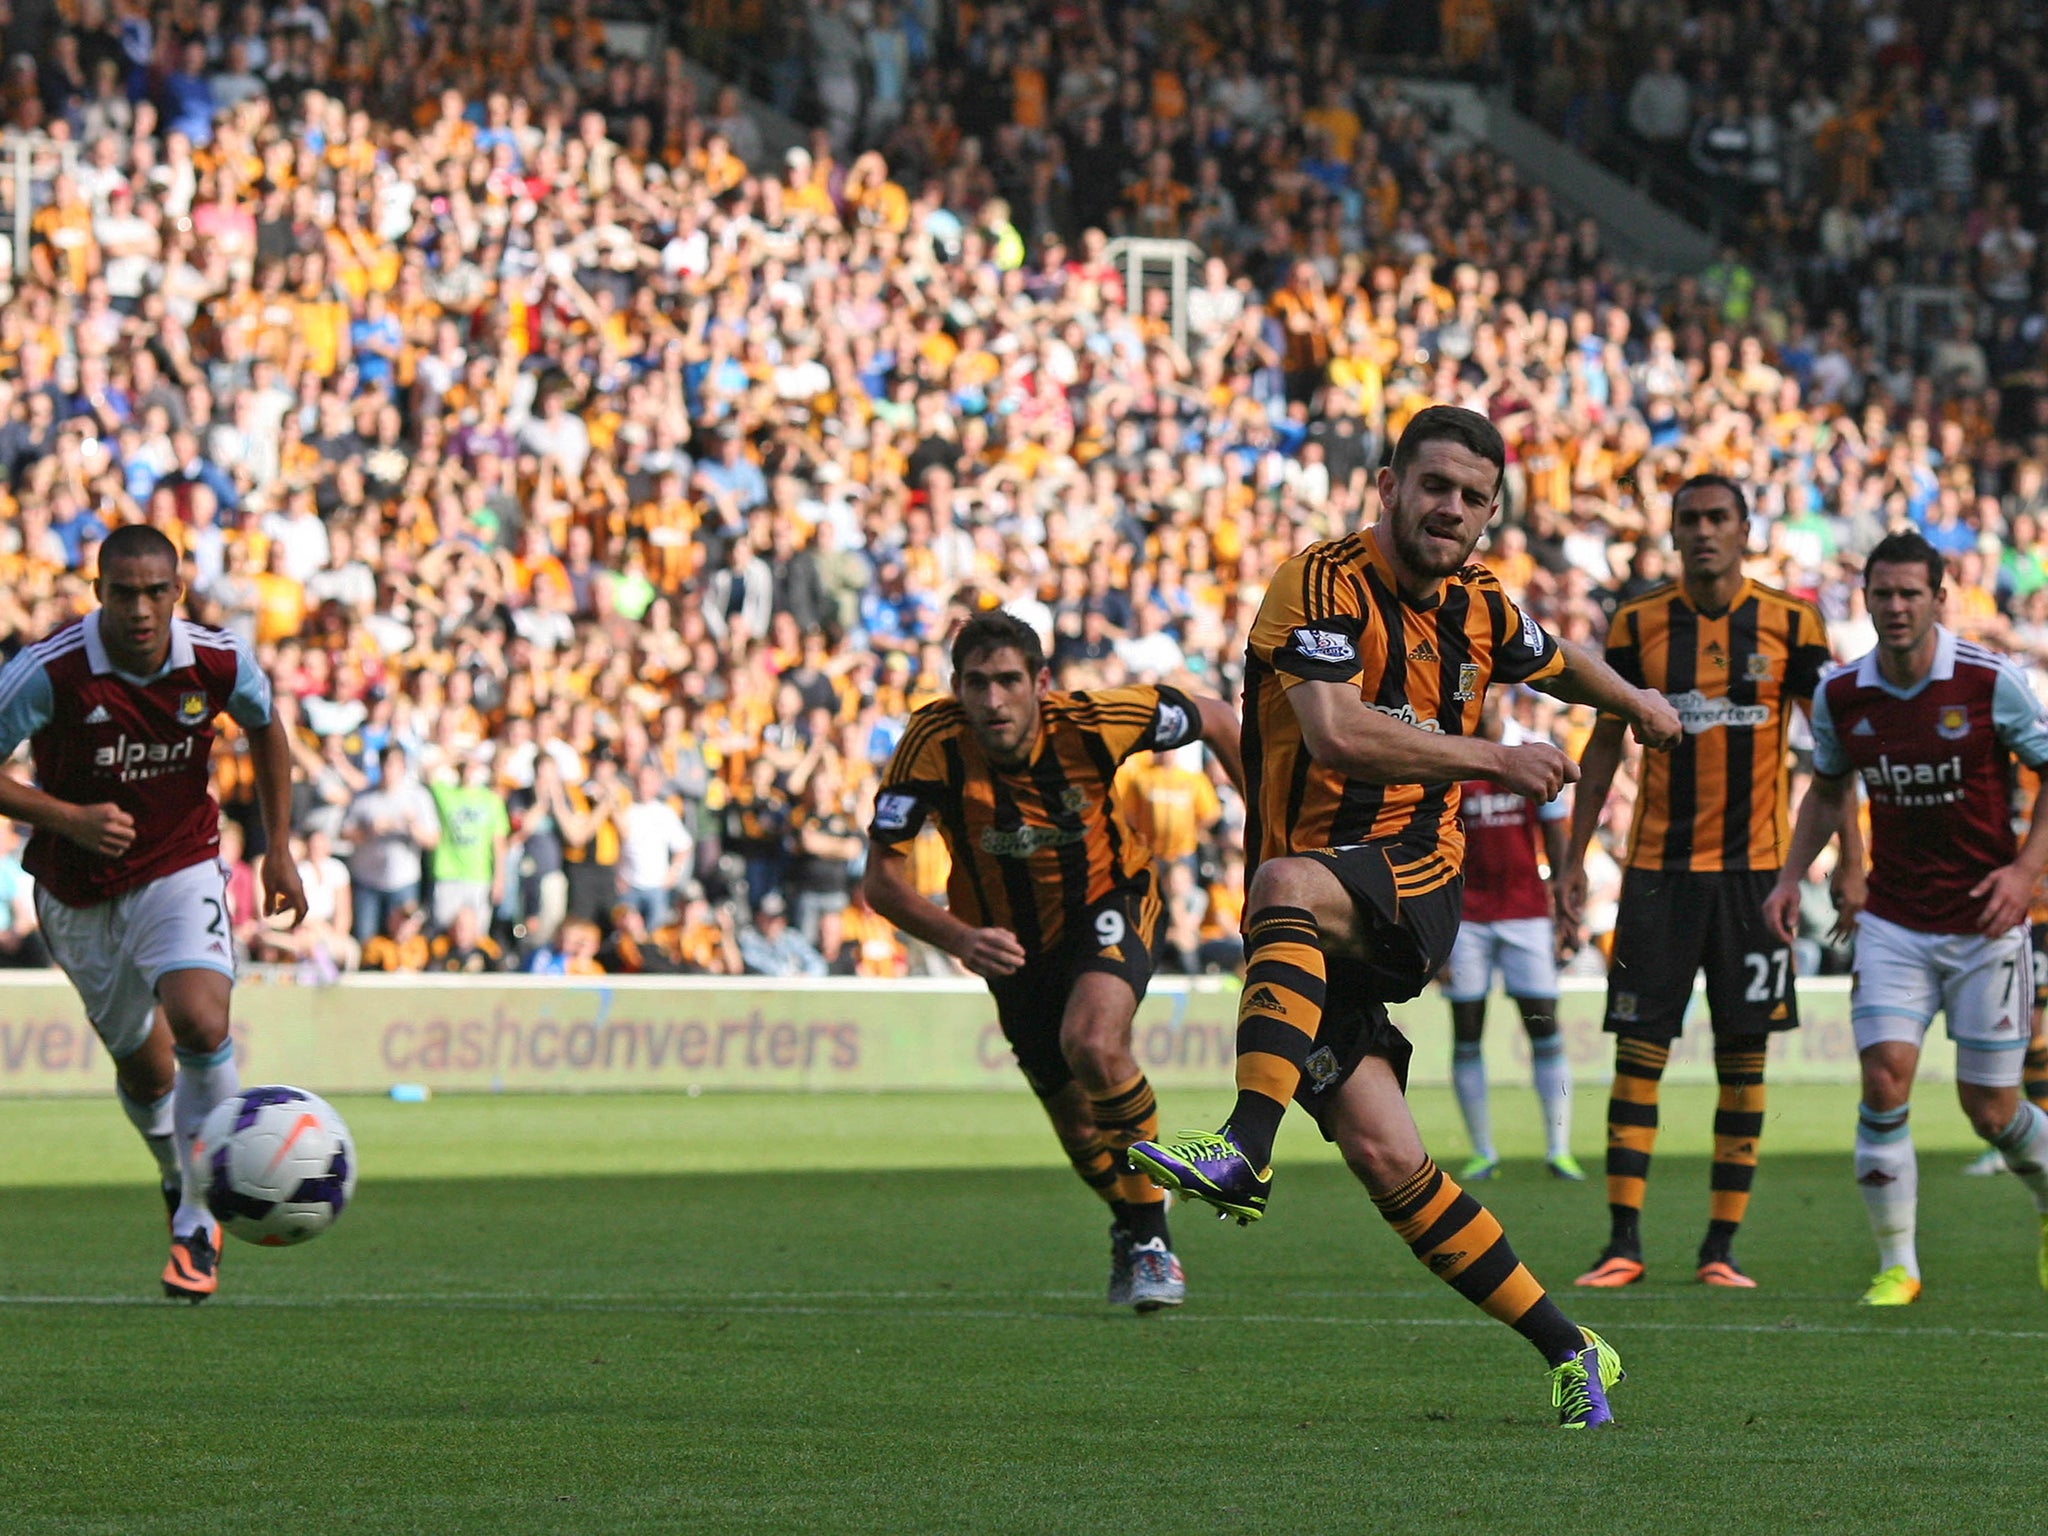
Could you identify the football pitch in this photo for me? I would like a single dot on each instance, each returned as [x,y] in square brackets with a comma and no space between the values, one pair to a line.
[744,1313]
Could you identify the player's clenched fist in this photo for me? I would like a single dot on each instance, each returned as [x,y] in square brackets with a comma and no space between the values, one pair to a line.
[1535,770]
[106,829]
[1656,723]
[992,952]
[282,889]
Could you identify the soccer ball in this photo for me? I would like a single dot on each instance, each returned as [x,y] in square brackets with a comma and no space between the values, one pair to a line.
[279,1165]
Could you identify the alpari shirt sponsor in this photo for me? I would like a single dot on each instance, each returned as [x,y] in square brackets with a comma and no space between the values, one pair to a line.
[1333,614]
[1503,876]
[1035,846]
[1719,799]
[98,735]
[1937,762]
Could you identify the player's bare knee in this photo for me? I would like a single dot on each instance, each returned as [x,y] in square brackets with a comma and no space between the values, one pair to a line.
[1379,1163]
[1306,884]
[1098,1049]
[1888,1076]
[145,1075]
[1990,1110]
[195,1002]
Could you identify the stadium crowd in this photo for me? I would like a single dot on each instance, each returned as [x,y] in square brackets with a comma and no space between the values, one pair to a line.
[600,490]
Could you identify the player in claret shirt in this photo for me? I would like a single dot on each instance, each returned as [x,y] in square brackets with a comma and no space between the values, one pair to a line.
[1507,927]
[1931,725]
[118,710]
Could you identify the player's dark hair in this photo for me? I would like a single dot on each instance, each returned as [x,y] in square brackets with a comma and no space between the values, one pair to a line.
[1714,482]
[1907,548]
[1452,424]
[997,631]
[137,541]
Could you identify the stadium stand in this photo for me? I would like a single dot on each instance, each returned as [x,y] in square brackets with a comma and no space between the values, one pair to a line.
[535,420]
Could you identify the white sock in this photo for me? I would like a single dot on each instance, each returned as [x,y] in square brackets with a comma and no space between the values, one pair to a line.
[1888,1173]
[2025,1145]
[1554,1093]
[152,1122]
[1468,1079]
[204,1079]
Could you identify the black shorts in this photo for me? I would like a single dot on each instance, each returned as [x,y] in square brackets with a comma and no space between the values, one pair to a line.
[2039,932]
[1114,937]
[1674,924]
[1407,941]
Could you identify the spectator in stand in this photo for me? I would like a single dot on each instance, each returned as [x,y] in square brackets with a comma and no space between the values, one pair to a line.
[1660,104]
[465,948]
[654,849]
[770,947]
[388,826]
[21,946]
[470,855]
[402,947]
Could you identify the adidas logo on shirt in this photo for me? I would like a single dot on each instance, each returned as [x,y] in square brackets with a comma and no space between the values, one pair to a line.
[1862,728]
[1263,1001]
[99,716]
[1423,652]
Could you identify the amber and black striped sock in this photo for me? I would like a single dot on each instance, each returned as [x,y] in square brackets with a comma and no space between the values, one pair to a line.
[1096,1162]
[1631,1136]
[1458,1240]
[1738,1126]
[1127,1113]
[1278,1014]
[2034,1075]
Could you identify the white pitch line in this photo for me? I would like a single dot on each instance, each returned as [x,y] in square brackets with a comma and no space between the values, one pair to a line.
[738,1305]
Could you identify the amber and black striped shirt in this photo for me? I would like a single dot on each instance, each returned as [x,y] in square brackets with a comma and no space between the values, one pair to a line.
[1033,847]
[1333,614]
[1718,800]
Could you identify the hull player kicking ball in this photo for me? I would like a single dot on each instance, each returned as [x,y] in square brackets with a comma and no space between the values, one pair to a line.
[1052,896]
[118,710]
[1369,659]
[1931,724]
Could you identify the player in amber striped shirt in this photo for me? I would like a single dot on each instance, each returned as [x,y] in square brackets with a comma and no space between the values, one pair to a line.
[1711,827]
[1370,658]
[1052,897]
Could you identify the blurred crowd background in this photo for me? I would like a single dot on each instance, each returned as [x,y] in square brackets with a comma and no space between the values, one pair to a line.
[601,488]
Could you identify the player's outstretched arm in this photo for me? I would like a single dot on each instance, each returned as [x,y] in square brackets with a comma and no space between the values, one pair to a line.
[270,754]
[1820,819]
[984,951]
[1586,679]
[1219,735]
[1344,733]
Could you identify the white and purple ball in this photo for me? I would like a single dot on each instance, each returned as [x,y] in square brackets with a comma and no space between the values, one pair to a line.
[279,1165]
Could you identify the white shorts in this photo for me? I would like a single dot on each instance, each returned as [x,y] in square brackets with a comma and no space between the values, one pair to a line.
[1523,949]
[1983,986]
[116,952]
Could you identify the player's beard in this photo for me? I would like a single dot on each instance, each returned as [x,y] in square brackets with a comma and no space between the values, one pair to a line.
[1428,554]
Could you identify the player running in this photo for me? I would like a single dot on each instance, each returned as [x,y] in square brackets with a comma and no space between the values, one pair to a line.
[1507,927]
[118,710]
[1368,662]
[1052,898]
[1931,724]
[1711,823]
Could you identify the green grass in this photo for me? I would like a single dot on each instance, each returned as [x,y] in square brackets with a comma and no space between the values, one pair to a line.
[628,1314]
